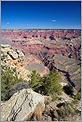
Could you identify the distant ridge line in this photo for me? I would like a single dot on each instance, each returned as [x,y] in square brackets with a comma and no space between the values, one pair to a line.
[42,29]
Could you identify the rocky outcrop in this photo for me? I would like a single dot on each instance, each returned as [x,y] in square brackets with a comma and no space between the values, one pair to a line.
[9,51]
[23,65]
[13,55]
[23,105]
[20,53]
[27,105]
[62,111]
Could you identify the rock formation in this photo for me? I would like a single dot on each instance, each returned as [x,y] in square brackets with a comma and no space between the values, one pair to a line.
[22,106]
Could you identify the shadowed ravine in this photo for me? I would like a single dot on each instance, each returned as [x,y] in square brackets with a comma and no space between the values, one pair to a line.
[50,65]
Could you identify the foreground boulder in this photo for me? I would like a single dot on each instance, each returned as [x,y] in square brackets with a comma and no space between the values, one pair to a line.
[23,105]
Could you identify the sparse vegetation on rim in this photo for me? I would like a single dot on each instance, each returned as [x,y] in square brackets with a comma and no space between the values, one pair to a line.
[8,79]
[49,84]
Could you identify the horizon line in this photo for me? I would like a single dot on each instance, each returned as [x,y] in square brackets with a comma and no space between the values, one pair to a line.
[40,28]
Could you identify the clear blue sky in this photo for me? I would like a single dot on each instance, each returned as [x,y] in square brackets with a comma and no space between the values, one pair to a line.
[24,14]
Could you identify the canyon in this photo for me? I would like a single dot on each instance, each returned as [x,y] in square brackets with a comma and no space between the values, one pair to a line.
[45,51]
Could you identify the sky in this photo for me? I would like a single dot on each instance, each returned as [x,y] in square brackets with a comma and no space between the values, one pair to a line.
[41,15]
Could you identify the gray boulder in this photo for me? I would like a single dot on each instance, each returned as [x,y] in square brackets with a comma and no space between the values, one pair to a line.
[17,87]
